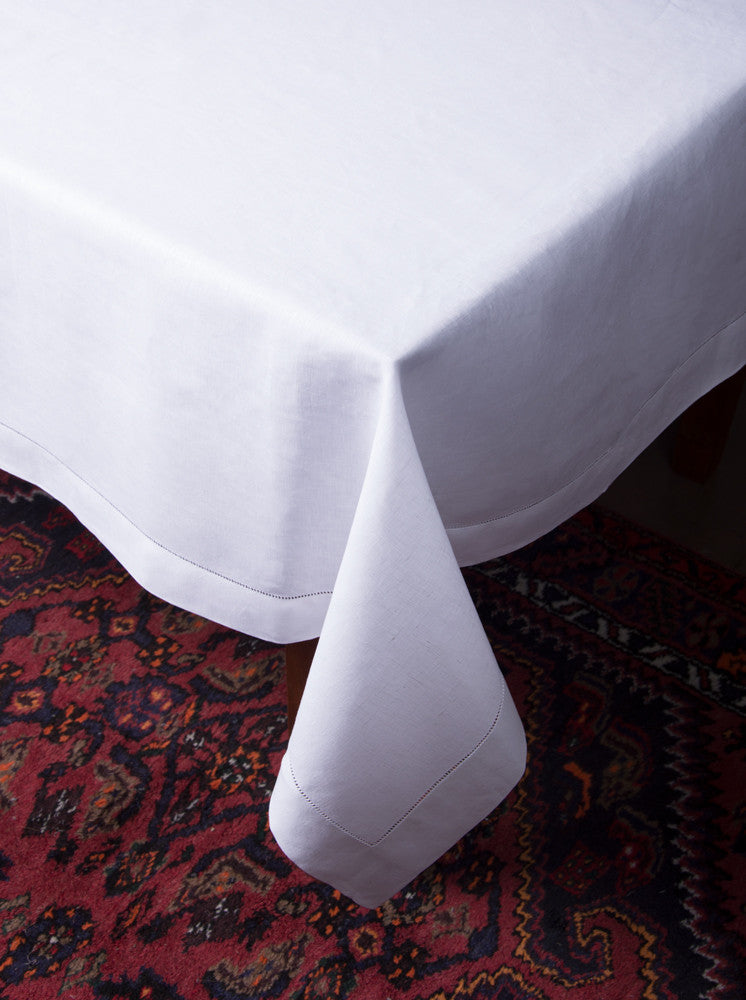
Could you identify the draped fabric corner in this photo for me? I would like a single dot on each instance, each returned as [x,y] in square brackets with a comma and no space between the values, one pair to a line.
[407,735]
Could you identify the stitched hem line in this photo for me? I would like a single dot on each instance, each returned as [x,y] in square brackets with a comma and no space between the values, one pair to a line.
[535,503]
[403,817]
[459,526]
[154,541]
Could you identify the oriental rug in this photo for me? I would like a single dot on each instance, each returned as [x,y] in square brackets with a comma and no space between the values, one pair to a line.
[139,744]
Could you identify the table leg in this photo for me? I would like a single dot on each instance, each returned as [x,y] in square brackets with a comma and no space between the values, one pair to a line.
[702,430]
[298,657]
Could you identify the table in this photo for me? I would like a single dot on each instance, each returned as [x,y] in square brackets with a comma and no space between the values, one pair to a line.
[305,306]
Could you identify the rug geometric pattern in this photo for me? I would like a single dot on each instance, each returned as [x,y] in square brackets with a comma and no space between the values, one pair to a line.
[139,745]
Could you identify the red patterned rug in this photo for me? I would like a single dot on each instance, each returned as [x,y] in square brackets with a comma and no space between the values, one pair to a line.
[138,745]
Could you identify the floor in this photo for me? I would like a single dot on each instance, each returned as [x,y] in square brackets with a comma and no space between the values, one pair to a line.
[710,519]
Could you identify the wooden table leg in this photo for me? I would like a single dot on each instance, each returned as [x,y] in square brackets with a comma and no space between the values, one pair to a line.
[298,657]
[702,430]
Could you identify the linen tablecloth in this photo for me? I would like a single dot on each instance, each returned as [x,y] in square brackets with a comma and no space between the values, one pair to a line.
[303,306]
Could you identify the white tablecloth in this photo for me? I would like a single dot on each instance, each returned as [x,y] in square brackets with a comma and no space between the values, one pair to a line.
[305,305]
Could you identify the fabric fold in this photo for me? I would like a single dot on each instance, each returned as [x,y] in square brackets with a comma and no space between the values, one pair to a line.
[407,735]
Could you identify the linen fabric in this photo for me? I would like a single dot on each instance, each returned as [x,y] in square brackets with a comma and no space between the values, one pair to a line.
[302,307]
